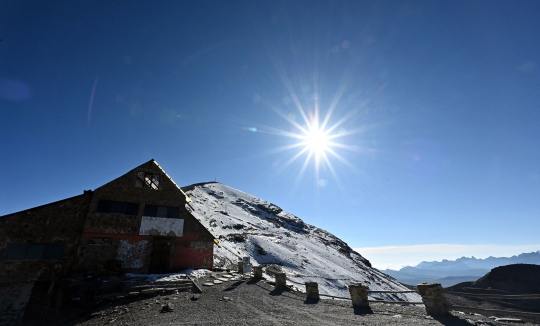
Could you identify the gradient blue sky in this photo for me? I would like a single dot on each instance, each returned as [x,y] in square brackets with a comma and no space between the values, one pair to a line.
[437,106]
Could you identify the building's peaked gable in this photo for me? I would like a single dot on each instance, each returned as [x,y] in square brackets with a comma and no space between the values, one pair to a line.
[147,179]
[166,175]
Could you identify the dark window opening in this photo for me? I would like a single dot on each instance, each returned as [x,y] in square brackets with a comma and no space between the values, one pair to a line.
[118,207]
[109,206]
[104,206]
[53,251]
[16,251]
[23,251]
[147,180]
[131,209]
[150,210]
[35,252]
[161,211]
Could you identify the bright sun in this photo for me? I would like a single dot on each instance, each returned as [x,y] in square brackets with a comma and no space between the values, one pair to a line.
[316,140]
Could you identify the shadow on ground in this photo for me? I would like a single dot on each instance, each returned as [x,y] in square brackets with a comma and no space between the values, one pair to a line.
[234,286]
[451,320]
[362,311]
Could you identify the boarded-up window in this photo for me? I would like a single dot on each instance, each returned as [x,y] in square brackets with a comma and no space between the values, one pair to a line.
[53,251]
[161,211]
[35,252]
[23,251]
[131,209]
[118,207]
[104,206]
[16,251]
[173,212]
[150,210]
[109,206]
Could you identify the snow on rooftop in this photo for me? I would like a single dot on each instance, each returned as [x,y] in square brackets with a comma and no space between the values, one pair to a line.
[247,226]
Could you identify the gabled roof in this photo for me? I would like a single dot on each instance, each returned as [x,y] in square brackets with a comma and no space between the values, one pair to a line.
[165,173]
[152,161]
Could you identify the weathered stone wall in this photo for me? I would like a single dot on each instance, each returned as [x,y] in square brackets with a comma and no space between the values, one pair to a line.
[123,189]
[56,223]
[189,254]
[93,240]
[60,223]
[128,242]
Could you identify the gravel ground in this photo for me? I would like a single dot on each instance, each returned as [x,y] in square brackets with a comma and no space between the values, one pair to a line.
[251,302]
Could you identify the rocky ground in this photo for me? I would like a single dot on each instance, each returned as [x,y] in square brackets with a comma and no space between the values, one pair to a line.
[238,301]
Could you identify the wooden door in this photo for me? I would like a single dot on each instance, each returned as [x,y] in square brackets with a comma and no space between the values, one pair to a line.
[161,255]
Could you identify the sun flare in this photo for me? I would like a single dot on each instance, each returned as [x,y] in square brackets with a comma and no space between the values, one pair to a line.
[316,140]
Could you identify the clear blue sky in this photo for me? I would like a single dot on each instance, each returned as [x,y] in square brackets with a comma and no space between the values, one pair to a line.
[437,106]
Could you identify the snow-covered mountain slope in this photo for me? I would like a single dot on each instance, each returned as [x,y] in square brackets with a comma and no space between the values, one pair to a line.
[248,226]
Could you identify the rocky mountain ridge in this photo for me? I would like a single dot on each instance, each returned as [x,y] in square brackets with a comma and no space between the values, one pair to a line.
[450,272]
[247,226]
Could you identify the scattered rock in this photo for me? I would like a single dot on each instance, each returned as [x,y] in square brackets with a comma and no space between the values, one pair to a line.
[217,282]
[208,284]
[195,297]
[169,307]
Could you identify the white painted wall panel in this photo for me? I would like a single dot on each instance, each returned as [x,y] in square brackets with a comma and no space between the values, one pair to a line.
[161,226]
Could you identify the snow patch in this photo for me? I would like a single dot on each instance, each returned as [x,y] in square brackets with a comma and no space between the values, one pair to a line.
[249,226]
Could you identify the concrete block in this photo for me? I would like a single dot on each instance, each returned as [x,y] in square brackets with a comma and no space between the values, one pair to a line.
[312,290]
[281,280]
[434,299]
[359,295]
[257,272]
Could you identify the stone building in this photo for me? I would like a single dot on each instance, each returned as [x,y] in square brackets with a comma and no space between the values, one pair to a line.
[140,222]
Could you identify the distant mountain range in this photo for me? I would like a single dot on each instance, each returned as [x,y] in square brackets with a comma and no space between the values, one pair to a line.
[451,272]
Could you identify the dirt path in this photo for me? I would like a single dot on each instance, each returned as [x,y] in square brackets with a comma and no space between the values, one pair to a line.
[250,302]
